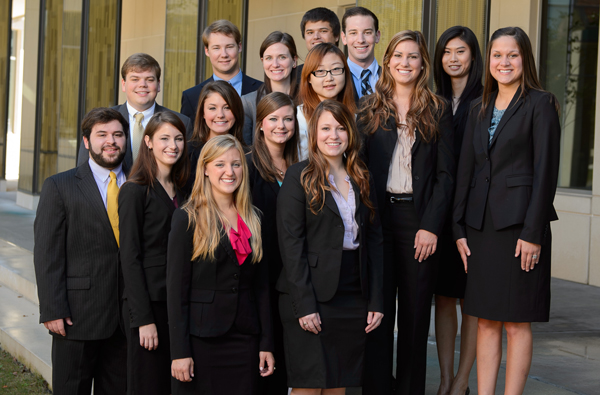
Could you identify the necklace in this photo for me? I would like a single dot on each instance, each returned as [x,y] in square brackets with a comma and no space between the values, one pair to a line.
[281,172]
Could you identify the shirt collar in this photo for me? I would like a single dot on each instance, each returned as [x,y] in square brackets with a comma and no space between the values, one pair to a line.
[147,114]
[103,173]
[356,70]
[237,78]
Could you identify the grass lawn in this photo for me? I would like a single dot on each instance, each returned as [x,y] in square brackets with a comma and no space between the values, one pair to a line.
[16,379]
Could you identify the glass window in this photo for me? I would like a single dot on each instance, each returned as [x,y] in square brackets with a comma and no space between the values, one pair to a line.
[469,13]
[569,57]
[232,10]
[181,41]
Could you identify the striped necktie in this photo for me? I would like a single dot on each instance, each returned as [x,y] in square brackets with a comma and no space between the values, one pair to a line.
[366,86]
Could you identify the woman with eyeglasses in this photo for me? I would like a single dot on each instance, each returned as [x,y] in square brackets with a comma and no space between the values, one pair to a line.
[325,75]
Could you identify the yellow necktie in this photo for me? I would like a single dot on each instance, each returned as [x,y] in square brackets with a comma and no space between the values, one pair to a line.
[138,133]
[112,204]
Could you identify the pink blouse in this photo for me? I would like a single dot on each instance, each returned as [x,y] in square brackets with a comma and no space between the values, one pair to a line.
[239,240]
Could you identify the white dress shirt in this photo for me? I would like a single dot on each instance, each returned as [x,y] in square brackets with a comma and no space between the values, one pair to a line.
[102,177]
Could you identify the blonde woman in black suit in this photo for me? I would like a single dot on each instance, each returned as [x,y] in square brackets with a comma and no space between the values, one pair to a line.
[331,245]
[506,182]
[217,285]
[275,148]
[146,203]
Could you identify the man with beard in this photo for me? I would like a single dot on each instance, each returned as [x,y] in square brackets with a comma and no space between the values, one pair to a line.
[76,258]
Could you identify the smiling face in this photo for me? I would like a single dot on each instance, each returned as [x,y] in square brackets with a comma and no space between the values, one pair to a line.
[223,52]
[166,145]
[360,37]
[330,86]
[406,63]
[457,58]
[141,88]
[506,62]
[278,62]
[332,138]
[317,33]
[225,173]
[106,144]
[218,116]
[279,126]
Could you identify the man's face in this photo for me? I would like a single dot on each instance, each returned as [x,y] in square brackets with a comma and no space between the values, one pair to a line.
[360,37]
[223,52]
[107,144]
[141,88]
[317,33]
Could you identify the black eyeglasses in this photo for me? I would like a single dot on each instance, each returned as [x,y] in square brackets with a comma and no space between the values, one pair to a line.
[323,73]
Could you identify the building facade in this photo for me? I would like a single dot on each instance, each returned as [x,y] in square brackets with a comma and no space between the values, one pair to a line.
[61,58]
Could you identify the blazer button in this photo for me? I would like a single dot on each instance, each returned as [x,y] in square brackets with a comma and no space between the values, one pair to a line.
[487,179]
[487,158]
[416,177]
[236,276]
[234,290]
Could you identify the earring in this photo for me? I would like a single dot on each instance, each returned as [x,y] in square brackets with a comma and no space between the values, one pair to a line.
[421,67]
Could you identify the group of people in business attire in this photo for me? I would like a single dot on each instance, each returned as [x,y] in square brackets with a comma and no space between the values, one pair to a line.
[291,224]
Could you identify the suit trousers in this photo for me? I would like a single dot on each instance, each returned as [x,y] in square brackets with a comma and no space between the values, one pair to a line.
[76,363]
[413,282]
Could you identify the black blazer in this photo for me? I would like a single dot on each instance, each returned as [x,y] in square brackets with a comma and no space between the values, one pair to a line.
[311,247]
[264,197]
[518,173]
[189,97]
[205,298]
[433,169]
[83,154]
[76,256]
[144,223]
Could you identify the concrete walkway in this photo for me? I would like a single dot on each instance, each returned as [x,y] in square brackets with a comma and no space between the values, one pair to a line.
[566,356]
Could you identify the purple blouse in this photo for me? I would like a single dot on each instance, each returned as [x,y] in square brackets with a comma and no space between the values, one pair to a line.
[347,211]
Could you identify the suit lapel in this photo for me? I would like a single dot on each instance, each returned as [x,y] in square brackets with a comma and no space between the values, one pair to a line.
[413,149]
[390,138]
[330,201]
[514,105]
[226,244]
[88,187]
[274,187]
[164,196]
[483,126]
[128,161]
[356,190]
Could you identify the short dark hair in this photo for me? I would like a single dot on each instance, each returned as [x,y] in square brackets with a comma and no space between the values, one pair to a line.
[355,11]
[100,115]
[222,26]
[140,62]
[321,14]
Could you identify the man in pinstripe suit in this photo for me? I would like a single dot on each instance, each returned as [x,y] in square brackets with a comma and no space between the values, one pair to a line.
[76,257]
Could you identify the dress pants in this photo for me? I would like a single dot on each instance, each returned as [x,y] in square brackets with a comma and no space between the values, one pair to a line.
[75,363]
[414,283]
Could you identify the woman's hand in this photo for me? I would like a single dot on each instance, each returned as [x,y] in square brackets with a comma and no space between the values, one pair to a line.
[425,244]
[183,369]
[267,358]
[311,322]
[530,254]
[374,320]
[463,250]
[149,337]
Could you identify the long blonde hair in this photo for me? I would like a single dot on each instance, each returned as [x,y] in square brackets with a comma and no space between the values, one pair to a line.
[424,104]
[204,213]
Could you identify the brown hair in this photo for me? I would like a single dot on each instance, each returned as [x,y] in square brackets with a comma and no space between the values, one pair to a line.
[260,153]
[145,169]
[359,11]
[314,176]
[529,79]
[229,94]
[288,41]
[424,104]
[100,115]
[222,26]
[322,14]
[308,97]
[204,214]
[140,62]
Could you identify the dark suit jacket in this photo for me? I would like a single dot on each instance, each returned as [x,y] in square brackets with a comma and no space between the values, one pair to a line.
[144,223]
[189,97]
[264,197]
[518,173]
[205,297]
[76,256]
[311,247]
[354,90]
[83,154]
[433,169]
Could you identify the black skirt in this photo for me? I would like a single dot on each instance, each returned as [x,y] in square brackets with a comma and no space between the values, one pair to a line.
[497,288]
[334,358]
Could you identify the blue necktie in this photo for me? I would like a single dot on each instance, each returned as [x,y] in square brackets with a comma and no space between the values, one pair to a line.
[366,86]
